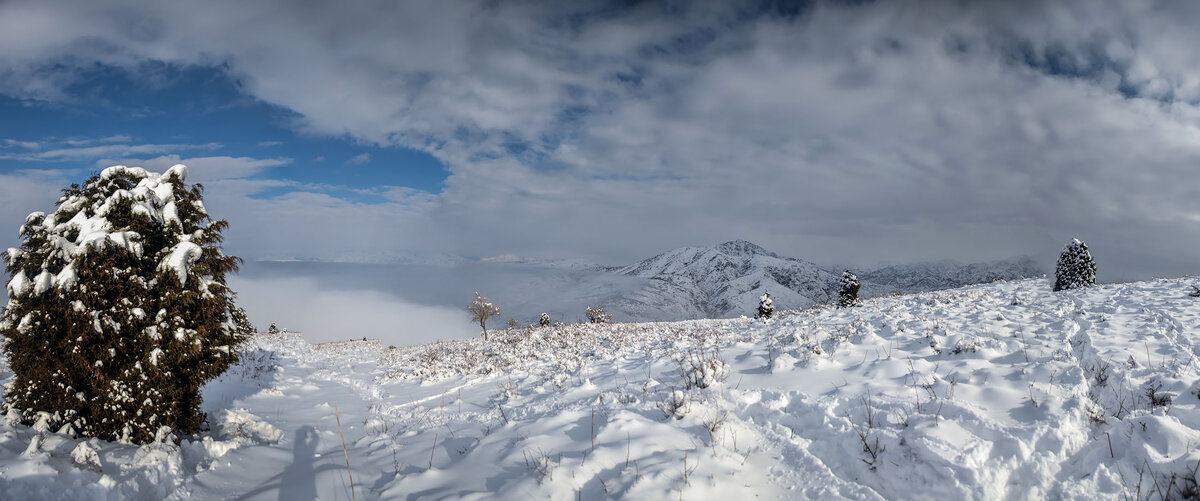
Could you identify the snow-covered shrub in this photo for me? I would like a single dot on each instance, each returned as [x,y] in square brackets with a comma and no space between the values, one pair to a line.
[481,310]
[85,456]
[544,321]
[702,369]
[118,309]
[1075,268]
[676,405]
[597,315]
[766,307]
[848,290]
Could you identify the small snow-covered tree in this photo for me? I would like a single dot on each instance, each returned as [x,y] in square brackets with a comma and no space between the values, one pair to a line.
[544,321]
[118,309]
[1075,267]
[481,310]
[766,307]
[597,315]
[848,290]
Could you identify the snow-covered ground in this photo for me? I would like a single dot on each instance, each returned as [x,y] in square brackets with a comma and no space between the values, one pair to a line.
[987,392]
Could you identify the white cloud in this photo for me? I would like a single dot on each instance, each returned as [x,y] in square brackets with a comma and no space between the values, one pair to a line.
[360,159]
[205,169]
[875,132]
[323,315]
[89,153]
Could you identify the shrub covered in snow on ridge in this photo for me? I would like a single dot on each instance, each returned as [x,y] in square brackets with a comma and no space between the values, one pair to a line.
[597,315]
[1075,268]
[118,309]
[848,293]
[544,321]
[766,307]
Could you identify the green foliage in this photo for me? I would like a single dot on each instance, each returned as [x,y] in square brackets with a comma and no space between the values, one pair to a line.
[118,308]
[1075,269]
[848,290]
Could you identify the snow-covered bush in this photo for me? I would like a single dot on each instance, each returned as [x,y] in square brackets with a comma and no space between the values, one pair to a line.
[544,321]
[481,310]
[1075,268]
[676,405]
[848,292]
[766,307]
[118,309]
[702,368]
[597,315]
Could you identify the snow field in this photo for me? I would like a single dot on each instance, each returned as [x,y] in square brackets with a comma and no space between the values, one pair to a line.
[999,391]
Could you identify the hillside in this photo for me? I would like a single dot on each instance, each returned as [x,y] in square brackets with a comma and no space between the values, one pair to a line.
[728,279]
[991,391]
[937,275]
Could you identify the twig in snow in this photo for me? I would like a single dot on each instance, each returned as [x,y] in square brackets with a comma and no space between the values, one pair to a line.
[345,452]
[432,450]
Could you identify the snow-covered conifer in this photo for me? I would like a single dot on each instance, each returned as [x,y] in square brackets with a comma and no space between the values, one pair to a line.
[597,315]
[118,309]
[848,293]
[544,321]
[766,307]
[1075,267]
[481,310]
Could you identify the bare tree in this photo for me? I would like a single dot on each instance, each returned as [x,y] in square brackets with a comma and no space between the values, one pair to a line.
[481,310]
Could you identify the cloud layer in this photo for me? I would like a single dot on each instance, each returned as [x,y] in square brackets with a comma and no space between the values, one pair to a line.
[843,133]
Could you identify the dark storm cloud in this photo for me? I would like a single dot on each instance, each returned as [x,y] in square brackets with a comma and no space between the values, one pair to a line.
[838,131]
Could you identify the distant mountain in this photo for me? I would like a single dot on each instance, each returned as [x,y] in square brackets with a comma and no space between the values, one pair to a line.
[722,281]
[725,281]
[934,275]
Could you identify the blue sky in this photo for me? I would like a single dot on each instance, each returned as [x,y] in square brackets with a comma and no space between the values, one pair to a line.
[197,110]
[846,133]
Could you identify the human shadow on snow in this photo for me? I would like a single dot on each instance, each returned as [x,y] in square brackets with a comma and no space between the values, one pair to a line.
[298,482]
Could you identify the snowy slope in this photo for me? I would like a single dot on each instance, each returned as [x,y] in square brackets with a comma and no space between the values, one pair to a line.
[999,391]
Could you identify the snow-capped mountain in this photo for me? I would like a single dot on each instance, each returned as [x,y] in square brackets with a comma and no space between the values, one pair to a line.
[727,280]
[936,275]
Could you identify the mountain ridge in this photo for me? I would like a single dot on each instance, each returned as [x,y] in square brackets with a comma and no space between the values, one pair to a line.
[728,279]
